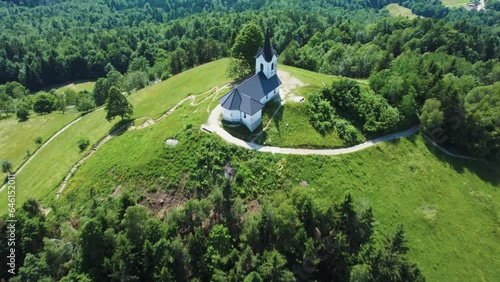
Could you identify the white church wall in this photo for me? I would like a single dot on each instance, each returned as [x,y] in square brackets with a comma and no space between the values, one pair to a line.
[252,122]
[270,96]
[231,115]
[269,69]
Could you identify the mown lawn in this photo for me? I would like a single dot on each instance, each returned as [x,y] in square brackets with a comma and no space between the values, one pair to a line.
[16,137]
[77,87]
[455,2]
[449,207]
[47,170]
[396,10]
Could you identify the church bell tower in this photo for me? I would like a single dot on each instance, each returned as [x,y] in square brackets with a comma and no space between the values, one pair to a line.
[266,60]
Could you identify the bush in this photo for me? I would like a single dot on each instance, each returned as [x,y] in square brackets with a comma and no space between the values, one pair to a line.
[38,140]
[321,113]
[23,111]
[83,144]
[85,104]
[45,103]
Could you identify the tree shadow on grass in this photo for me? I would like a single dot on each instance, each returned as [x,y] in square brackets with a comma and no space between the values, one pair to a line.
[120,127]
[488,171]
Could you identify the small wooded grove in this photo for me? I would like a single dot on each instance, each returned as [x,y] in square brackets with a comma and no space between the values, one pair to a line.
[288,238]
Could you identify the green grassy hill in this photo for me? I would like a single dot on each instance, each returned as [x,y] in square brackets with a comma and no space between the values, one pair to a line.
[449,207]
[18,137]
[396,10]
[47,170]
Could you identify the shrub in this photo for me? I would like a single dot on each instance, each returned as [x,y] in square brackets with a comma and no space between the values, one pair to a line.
[38,140]
[45,103]
[85,104]
[23,111]
[83,144]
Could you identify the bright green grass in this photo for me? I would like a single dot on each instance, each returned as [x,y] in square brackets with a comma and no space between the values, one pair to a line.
[52,164]
[153,101]
[396,10]
[142,147]
[77,87]
[455,2]
[18,137]
[290,127]
[449,207]
[46,171]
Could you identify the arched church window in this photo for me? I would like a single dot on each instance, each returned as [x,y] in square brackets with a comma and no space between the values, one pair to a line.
[272,66]
[261,67]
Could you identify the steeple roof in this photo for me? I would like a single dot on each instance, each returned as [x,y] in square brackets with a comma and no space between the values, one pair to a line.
[268,50]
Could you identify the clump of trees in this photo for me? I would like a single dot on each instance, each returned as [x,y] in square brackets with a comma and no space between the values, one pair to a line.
[289,239]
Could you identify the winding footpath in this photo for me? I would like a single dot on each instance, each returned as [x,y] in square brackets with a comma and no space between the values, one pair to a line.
[214,126]
[149,121]
[46,143]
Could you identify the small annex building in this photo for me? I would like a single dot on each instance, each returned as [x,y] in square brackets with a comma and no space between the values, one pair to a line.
[244,103]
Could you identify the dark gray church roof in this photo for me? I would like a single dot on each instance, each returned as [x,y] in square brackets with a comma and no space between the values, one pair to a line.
[246,96]
[234,100]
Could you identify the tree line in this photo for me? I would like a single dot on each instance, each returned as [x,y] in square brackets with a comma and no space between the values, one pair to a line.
[289,238]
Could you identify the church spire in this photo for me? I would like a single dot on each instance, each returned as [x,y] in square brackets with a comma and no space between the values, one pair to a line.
[268,50]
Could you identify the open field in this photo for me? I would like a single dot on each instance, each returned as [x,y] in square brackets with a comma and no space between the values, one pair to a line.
[455,2]
[77,87]
[291,128]
[47,170]
[154,100]
[396,10]
[18,137]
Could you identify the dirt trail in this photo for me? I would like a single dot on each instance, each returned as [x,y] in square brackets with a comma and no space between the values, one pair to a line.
[149,121]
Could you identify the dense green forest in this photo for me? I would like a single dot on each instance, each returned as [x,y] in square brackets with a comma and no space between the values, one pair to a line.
[441,70]
[407,61]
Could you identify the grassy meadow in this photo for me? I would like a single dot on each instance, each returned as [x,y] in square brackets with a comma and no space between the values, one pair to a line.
[449,207]
[396,10]
[77,87]
[47,170]
[18,137]
[455,2]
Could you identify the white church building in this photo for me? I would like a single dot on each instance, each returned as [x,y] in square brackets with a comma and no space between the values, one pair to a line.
[244,103]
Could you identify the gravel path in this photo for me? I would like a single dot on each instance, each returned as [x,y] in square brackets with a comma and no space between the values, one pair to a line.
[214,125]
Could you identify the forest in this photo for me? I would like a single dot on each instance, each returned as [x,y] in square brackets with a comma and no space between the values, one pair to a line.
[441,71]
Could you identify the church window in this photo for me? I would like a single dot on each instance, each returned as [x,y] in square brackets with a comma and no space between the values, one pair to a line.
[261,67]
[244,115]
[267,96]
[272,66]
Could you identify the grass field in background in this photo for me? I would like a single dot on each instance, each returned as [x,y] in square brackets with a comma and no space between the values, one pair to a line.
[455,2]
[396,10]
[77,87]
